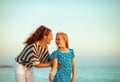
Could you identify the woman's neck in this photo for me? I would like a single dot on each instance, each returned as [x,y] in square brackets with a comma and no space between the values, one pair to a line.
[42,43]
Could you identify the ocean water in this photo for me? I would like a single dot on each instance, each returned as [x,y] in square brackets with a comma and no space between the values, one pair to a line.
[84,74]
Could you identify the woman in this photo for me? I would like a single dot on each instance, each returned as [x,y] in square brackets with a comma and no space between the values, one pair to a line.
[34,54]
[65,57]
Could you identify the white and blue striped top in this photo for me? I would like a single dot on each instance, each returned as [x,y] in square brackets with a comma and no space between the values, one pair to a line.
[33,54]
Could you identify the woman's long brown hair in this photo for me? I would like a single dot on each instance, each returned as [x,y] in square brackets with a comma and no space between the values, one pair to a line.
[38,34]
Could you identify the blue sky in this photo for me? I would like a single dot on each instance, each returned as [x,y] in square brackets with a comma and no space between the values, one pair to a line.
[93,26]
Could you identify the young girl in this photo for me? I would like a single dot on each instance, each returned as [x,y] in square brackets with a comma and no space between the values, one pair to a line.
[65,57]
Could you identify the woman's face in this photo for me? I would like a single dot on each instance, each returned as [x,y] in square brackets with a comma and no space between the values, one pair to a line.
[49,38]
[60,41]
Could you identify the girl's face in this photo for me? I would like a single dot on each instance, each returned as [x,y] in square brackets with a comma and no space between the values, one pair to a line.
[49,38]
[60,42]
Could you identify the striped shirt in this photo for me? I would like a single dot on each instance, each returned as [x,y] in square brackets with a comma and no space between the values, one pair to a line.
[33,54]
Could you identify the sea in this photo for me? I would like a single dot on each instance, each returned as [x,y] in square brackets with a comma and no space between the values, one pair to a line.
[88,69]
[84,74]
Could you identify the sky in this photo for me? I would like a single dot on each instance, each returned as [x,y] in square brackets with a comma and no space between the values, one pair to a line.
[93,26]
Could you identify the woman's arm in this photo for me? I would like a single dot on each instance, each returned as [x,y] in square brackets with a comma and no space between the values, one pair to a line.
[43,65]
[53,69]
[73,70]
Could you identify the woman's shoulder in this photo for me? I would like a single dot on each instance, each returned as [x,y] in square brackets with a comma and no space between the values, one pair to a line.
[30,46]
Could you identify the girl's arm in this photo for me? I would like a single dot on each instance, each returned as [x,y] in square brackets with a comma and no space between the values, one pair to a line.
[53,69]
[73,70]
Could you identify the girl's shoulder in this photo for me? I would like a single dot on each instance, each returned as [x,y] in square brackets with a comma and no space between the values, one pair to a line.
[55,51]
[54,54]
[71,50]
[72,53]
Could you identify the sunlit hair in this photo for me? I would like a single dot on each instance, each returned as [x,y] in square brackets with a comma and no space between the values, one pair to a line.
[40,32]
[65,38]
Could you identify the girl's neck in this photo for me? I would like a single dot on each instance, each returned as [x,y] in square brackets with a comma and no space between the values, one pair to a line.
[63,49]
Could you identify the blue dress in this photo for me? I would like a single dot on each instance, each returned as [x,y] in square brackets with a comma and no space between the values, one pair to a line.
[63,74]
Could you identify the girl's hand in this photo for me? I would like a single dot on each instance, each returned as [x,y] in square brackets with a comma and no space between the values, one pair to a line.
[73,79]
[51,77]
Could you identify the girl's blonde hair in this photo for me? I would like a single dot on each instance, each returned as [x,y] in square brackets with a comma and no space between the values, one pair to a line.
[65,38]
